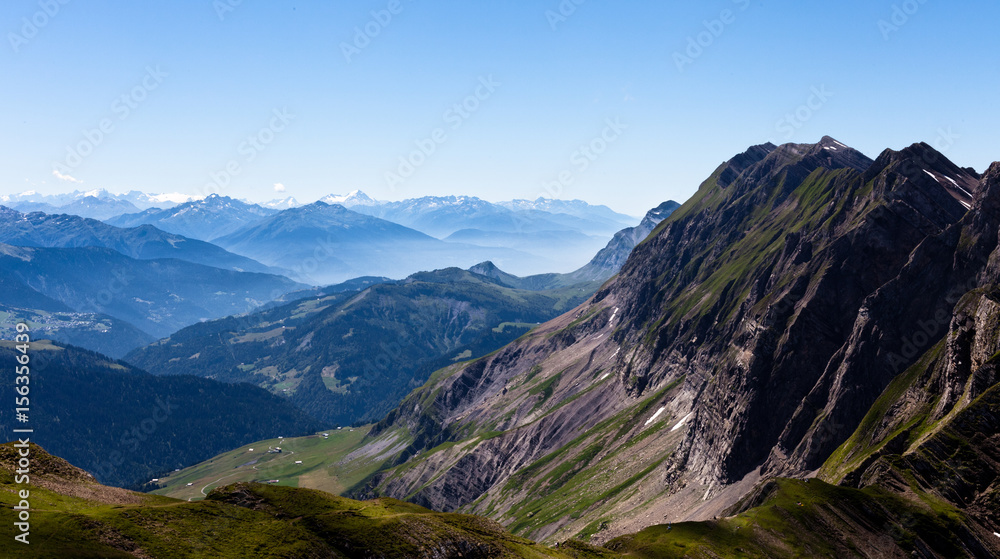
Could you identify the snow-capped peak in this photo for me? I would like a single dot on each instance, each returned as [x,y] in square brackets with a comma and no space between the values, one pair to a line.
[353,198]
[282,204]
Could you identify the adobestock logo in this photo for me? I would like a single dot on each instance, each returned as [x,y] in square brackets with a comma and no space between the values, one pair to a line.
[713,29]
[795,120]
[250,149]
[455,118]
[31,26]
[584,156]
[122,107]
[901,14]
[563,11]
[363,35]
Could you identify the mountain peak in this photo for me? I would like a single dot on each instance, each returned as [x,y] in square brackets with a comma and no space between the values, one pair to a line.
[920,162]
[352,198]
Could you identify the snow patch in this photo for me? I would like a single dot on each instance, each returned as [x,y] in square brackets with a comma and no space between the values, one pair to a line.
[681,422]
[604,376]
[933,176]
[613,314]
[839,144]
[966,204]
[655,415]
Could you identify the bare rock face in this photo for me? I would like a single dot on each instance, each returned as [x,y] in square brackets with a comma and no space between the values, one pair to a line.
[748,336]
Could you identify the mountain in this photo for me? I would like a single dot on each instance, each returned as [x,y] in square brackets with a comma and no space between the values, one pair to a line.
[82,518]
[94,331]
[144,242]
[206,220]
[98,208]
[329,244]
[560,242]
[55,320]
[575,208]
[350,200]
[612,257]
[441,216]
[281,204]
[157,296]
[558,250]
[347,356]
[101,200]
[780,323]
[127,426]
[605,264]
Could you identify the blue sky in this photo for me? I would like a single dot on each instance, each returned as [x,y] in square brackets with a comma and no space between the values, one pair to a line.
[203,82]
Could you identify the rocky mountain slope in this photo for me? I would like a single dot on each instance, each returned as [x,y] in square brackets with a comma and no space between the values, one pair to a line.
[747,337]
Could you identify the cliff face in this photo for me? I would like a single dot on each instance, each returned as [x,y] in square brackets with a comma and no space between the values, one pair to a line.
[748,336]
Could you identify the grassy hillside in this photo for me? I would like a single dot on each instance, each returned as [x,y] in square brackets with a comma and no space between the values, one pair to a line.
[72,516]
[323,465]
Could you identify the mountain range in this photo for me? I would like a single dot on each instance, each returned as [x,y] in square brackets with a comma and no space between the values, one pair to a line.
[156,296]
[206,219]
[809,313]
[525,238]
[347,356]
[800,360]
[144,242]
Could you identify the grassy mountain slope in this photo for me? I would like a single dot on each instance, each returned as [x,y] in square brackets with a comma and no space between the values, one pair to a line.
[74,517]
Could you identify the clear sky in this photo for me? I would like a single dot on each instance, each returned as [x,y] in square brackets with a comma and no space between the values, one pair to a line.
[659,112]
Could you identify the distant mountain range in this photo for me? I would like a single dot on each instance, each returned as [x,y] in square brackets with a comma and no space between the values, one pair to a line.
[345,356]
[207,219]
[143,242]
[525,238]
[156,296]
[91,202]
